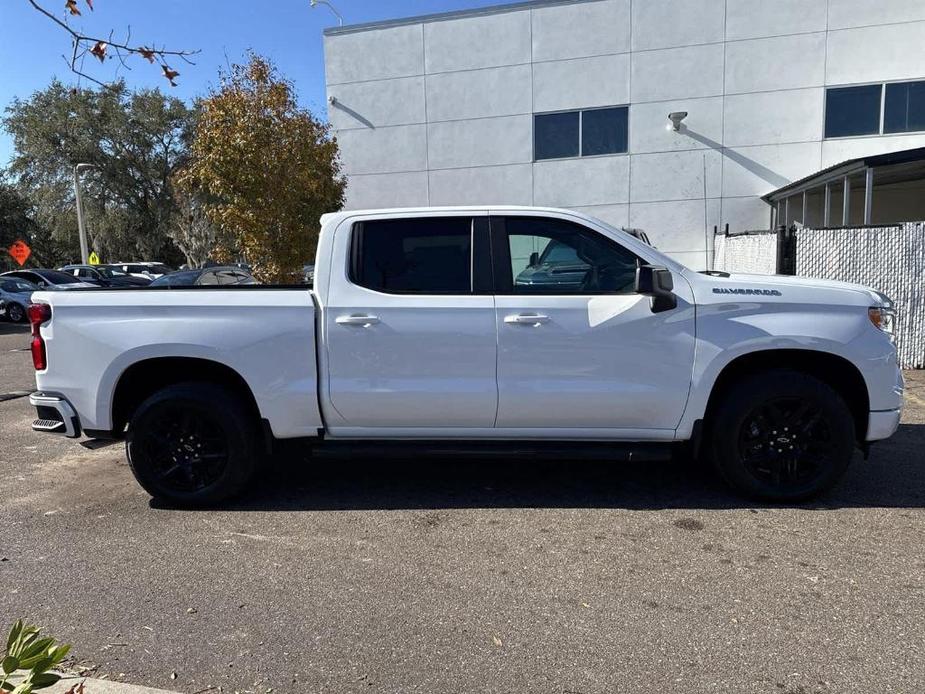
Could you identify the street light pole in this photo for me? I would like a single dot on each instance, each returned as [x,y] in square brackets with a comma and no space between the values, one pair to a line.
[81,229]
[315,3]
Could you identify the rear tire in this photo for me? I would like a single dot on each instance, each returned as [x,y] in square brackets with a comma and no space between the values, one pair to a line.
[192,444]
[782,436]
[16,313]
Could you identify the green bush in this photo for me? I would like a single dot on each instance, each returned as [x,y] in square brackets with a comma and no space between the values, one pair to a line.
[28,659]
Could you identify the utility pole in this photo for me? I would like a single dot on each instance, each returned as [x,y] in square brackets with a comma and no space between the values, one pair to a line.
[81,229]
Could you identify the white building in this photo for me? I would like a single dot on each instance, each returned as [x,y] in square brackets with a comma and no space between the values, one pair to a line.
[566,103]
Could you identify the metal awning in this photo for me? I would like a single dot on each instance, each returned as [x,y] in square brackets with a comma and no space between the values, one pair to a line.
[845,168]
[831,189]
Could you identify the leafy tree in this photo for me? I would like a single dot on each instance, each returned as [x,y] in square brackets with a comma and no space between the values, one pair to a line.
[265,169]
[107,48]
[135,141]
[17,222]
[192,231]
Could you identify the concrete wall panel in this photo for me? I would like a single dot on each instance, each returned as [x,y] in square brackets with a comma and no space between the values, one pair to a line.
[650,129]
[474,42]
[677,225]
[377,104]
[751,19]
[836,151]
[383,150]
[481,142]
[615,215]
[784,62]
[387,190]
[677,73]
[575,31]
[581,83]
[872,54]
[745,214]
[674,176]
[501,91]
[857,13]
[578,182]
[759,170]
[669,23]
[492,185]
[374,55]
[773,117]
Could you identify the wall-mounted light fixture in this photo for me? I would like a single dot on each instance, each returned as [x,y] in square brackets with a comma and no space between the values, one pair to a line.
[676,117]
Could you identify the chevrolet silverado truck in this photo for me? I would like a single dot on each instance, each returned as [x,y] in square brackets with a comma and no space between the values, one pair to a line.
[457,329]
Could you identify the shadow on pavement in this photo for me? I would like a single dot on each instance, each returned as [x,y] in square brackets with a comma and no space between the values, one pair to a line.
[7,328]
[893,477]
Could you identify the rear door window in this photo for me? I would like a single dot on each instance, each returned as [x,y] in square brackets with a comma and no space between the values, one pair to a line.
[413,256]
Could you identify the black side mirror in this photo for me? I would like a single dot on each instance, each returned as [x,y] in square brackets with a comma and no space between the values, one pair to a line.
[656,282]
[534,259]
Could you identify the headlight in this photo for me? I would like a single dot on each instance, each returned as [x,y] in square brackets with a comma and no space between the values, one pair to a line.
[883,318]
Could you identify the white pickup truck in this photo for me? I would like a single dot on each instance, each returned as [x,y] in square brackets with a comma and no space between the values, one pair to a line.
[525,329]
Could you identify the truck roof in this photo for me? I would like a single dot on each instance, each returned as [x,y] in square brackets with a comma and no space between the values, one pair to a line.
[332,216]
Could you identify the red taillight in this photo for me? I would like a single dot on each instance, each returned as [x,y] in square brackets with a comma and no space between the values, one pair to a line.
[38,314]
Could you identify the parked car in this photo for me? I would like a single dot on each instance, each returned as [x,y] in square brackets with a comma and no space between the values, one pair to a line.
[219,274]
[417,337]
[105,276]
[308,274]
[15,296]
[148,270]
[49,279]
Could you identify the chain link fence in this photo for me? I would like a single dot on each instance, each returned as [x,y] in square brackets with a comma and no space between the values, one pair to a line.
[891,259]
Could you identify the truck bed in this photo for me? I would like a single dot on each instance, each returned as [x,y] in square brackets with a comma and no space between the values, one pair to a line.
[265,334]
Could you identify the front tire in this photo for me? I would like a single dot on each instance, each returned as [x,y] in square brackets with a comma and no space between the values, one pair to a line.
[192,444]
[782,436]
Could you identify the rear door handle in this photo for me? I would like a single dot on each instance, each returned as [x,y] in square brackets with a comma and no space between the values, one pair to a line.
[356,320]
[526,319]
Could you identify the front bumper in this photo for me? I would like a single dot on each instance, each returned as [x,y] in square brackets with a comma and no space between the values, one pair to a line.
[883,424]
[55,415]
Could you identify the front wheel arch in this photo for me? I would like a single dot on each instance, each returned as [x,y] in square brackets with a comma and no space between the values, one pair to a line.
[836,372]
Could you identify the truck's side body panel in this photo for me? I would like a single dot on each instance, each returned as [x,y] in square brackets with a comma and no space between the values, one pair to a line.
[792,314]
[266,336]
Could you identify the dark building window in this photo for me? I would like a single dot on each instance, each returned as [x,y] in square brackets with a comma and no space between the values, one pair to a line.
[904,108]
[603,131]
[852,111]
[556,135]
[581,133]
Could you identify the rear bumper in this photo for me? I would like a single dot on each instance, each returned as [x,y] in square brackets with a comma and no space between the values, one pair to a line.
[883,424]
[55,415]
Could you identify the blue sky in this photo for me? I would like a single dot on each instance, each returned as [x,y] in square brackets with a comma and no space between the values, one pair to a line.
[288,31]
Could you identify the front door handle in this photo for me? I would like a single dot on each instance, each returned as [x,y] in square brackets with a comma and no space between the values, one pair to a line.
[526,319]
[356,320]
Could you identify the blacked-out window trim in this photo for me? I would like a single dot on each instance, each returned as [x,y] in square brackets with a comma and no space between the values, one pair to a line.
[355,257]
[581,127]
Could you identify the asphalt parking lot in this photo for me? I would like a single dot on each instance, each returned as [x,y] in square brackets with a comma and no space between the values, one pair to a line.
[430,576]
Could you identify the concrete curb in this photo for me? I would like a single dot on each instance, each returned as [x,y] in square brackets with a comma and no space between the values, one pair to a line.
[96,686]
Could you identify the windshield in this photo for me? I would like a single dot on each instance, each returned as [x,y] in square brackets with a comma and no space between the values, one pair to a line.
[558,252]
[109,272]
[55,277]
[176,279]
[18,286]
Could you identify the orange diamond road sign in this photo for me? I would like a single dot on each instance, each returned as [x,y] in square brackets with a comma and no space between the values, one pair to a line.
[20,251]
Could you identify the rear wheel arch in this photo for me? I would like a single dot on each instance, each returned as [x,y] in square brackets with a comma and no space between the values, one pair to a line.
[835,371]
[144,378]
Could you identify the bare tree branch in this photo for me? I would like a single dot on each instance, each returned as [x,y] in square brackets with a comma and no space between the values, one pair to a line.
[100,48]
